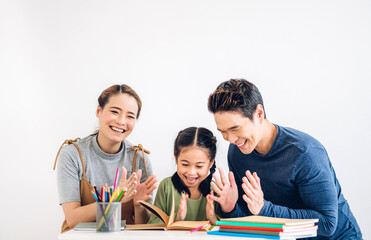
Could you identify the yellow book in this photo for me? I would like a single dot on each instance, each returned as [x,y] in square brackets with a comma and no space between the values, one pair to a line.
[168,221]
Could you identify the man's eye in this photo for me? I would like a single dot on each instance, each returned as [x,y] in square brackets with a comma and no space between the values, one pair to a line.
[115,112]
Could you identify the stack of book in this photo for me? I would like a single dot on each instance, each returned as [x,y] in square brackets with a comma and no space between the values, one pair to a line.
[267,227]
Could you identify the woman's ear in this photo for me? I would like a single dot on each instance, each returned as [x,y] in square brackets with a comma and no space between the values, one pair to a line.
[99,110]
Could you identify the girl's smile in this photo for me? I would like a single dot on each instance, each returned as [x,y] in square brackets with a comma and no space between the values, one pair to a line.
[193,164]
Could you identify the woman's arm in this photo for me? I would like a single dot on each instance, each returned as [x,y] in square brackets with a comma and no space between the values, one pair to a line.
[75,213]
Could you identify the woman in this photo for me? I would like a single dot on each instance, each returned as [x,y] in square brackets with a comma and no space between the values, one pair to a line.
[95,159]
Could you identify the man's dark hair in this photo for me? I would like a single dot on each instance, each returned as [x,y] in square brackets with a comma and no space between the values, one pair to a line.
[236,95]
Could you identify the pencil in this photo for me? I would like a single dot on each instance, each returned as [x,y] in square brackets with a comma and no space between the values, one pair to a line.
[120,196]
[97,192]
[116,178]
[200,227]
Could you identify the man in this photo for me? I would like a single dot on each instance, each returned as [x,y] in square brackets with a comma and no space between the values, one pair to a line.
[275,171]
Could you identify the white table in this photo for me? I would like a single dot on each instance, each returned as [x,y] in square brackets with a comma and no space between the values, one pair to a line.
[143,234]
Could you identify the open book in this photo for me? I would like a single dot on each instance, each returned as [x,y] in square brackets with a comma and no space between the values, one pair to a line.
[168,221]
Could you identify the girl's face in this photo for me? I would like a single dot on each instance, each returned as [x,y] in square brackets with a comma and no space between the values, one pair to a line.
[117,119]
[193,165]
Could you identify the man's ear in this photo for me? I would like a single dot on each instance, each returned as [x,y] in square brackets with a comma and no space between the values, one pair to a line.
[99,110]
[259,113]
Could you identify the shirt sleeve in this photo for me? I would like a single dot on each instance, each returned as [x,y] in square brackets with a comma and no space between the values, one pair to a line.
[314,178]
[68,175]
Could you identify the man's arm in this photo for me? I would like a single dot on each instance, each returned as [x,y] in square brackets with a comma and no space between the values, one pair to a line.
[316,186]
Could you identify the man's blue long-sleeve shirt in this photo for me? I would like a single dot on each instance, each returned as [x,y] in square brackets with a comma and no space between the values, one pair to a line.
[298,181]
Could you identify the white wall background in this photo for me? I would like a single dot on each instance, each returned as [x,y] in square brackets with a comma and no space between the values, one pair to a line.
[310,59]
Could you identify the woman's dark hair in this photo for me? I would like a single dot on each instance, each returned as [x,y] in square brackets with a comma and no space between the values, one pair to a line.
[114,90]
[200,137]
[117,89]
[236,95]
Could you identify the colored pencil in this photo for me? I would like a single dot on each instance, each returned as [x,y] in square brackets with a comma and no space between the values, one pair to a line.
[200,227]
[97,192]
[116,178]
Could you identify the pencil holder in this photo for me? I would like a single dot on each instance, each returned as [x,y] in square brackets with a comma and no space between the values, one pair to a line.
[108,216]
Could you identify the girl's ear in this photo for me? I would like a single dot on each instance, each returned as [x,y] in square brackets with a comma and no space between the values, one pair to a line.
[211,163]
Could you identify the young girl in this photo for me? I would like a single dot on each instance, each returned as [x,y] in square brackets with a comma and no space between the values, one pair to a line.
[194,150]
[95,159]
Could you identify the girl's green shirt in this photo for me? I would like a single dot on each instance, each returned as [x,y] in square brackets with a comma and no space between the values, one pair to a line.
[196,208]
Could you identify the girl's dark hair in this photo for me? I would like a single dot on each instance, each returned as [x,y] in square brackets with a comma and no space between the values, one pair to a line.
[236,95]
[200,137]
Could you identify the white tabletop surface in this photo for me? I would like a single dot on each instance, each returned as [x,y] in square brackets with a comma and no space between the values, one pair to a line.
[143,234]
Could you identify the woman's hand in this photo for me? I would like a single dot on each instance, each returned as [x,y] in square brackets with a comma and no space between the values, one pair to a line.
[182,210]
[145,189]
[128,185]
[253,196]
[227,192]
[210,209]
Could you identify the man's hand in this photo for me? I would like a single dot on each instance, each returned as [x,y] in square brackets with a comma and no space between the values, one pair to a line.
[253,196]
[227,192]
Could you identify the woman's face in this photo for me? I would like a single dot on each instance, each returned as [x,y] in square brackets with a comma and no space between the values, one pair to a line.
[117,118]
[193,164]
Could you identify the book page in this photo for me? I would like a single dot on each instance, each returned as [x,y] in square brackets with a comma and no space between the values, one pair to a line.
[172,214]
[156,211]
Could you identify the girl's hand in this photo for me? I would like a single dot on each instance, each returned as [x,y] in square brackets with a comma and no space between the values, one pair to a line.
[227,192]
[145,189]
[210,210]
[129,185]
[182,210]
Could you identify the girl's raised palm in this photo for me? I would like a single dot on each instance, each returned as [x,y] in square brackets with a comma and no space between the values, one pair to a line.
[210,209]
[182,210]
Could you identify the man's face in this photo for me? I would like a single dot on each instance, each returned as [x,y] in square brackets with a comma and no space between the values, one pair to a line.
[240,130]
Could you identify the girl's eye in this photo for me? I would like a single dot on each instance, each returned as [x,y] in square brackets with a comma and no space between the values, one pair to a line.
[199,166]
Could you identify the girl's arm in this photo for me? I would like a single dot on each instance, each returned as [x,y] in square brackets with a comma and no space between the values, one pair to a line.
[75,213]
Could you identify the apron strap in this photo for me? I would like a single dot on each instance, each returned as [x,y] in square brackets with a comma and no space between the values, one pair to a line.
[136,149]
[70,141]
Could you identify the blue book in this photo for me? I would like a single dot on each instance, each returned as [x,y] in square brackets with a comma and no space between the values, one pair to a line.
[234,234]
